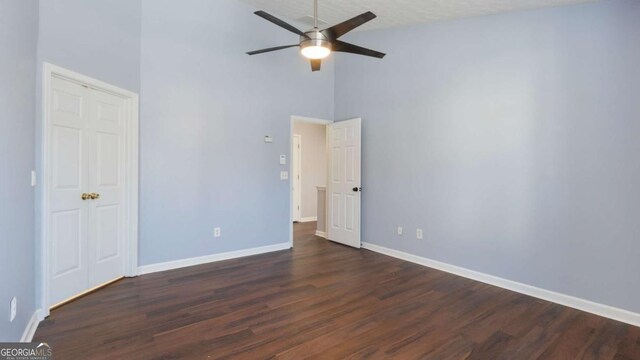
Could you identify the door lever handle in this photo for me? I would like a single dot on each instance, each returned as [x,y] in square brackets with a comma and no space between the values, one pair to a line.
[356,189]
[94,196]
[85,196]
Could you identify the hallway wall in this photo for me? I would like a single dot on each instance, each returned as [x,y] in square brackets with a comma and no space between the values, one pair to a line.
[314,164]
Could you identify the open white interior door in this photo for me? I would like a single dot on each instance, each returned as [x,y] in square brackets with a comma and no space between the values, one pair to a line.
[343,185]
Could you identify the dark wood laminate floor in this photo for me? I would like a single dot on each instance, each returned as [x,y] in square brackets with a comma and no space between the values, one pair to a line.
[323,300]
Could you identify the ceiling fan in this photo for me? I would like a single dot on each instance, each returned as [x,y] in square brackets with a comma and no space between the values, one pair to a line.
[318,44]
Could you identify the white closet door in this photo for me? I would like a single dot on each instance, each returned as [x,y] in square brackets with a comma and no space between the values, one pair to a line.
[106,178]
[87,158]
[69,215]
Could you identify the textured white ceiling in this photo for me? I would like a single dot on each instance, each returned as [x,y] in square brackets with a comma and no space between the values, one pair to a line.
[398,12]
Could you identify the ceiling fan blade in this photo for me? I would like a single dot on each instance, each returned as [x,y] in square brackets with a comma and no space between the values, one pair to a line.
[337,31]
[341,46]
[256,52]
[279,22]
[316,64]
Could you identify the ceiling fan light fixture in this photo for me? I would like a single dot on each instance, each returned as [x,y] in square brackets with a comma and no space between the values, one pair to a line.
[314,45]
[315,52]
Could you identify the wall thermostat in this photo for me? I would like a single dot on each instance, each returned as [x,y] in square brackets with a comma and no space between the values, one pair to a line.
[268,139]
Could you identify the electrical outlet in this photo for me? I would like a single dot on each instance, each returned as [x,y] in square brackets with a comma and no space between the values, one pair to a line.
[14,309]
[400,230]
[419,234]
[284,175]
[217,232]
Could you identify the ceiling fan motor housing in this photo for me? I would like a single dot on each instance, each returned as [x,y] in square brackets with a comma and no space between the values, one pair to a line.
[315,38]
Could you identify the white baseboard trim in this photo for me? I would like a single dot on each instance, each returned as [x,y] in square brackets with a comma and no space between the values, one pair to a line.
[176,264]
[32,326]
[308,219]
[322,234]
[607,311]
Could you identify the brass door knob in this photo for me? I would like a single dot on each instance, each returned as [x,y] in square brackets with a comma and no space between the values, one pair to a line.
[94,196]
[85,196]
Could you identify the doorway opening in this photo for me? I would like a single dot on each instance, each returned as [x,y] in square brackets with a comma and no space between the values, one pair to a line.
[308,168]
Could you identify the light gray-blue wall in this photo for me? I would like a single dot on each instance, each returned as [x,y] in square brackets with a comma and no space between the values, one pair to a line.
[205,108]
[100,39]
[18,41]
[512,140]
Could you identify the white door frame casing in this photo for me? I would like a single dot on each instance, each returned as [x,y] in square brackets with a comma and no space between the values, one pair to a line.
[295,118]
[131,101]
[296,171]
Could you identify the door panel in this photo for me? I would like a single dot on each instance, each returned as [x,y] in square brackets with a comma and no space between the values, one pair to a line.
[336,165]
[67,158]
[108,164]
[344,177]
[67,235]
[106,169]
[350,161]
[107,219]
[349,212]
[336,211]
[67,100]
[68,218]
